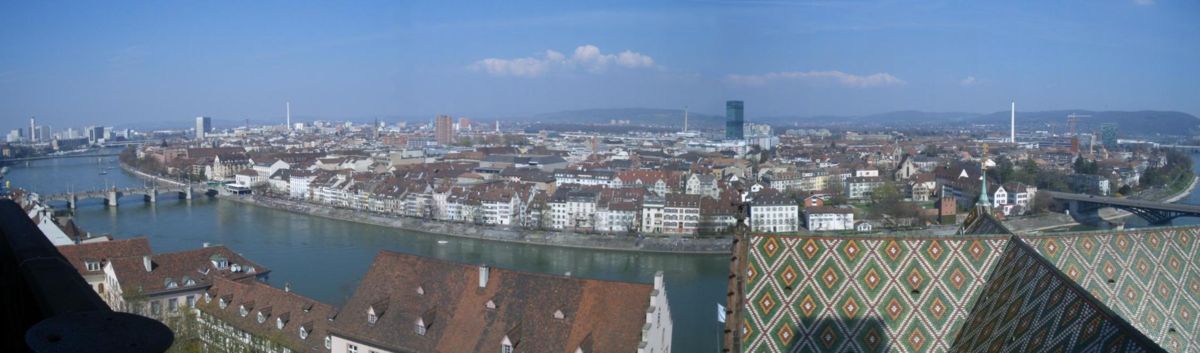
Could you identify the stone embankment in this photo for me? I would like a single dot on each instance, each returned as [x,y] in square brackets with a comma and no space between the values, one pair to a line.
[658,244]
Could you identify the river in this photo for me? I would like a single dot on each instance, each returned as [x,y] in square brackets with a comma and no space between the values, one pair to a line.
[325,258]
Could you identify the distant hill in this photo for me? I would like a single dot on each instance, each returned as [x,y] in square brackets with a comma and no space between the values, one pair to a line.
[1141,123]
[636,116]
[1146,122]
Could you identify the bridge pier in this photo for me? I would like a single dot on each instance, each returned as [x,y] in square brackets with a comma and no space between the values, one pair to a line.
[72,201]
[186,194]
[152,196]
[113,195]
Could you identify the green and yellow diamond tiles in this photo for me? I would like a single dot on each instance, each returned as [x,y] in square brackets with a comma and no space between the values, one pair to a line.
[914,295]
[854,291]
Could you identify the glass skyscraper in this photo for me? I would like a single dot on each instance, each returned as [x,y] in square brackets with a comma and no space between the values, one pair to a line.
[733,120]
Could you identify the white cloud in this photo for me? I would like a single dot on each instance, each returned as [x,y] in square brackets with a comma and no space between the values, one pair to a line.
[1144,2]
[849,80]
[968,81]
[586,57]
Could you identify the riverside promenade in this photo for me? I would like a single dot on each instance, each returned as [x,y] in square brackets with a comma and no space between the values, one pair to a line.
[655,244]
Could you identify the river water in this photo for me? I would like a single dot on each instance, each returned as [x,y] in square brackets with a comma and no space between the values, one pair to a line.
[325,259]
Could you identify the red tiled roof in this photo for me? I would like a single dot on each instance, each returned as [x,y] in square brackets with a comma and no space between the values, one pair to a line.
[79,254]
[609,315]
[294,310]
[196,264]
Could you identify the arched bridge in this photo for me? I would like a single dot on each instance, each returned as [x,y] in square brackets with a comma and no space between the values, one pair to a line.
[1084,208]
[111,196]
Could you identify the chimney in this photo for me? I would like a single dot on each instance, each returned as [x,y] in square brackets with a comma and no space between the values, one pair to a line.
[146,262]
[287,286]
[483,276]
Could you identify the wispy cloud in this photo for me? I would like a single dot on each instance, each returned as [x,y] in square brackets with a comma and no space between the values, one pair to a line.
[585,57]
[841,78]
[968,81]
[1144,2]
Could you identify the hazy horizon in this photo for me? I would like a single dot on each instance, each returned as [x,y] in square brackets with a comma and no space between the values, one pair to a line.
[112,64]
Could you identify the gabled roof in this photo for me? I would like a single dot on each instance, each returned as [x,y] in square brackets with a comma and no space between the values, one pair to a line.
[195,264]
[611,313]
[80,254]
[295,311]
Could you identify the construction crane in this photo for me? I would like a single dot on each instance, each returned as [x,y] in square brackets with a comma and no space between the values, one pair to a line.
[1072,122]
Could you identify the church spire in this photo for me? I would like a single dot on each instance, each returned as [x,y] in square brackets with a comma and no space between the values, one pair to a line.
[983,192]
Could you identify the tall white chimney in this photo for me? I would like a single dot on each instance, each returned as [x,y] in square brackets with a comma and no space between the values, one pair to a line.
[1012,133]
[483,276]
[685,109]
[147,263]
[289,115]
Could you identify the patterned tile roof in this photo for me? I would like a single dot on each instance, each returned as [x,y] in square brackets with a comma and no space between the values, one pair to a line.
[914,294]
[831,294]
[1151,277]
[1028,305]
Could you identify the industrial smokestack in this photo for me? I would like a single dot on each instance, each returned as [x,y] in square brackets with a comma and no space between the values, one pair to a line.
[1012,133]
[289,115]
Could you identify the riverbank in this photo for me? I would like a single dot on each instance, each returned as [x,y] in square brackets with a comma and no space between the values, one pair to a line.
[655,244]
[673,245]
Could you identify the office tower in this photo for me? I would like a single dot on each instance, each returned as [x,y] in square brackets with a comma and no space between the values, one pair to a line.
[734,121]
[32,129]
[444,129]
[203,126]
[1108,134]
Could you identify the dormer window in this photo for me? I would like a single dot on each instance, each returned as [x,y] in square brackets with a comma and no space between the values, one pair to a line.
[420,327]
[207,298]
[223,303]
[261,318]
[188,281]
[92,265]
[235,268]
[491,305]
[420,290]
[376,310]
[506,348]
[558,314]
[169,283]
[328,342]
[220,262]
[279,323]
[303,333]
[242,310]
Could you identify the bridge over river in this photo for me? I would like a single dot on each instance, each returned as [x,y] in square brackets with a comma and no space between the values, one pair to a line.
[111,196]
[1085,208]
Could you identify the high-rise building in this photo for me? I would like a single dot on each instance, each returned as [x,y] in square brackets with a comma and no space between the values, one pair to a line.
[734,121]
[443,129]
[203,126]
[32,129]
[1108,134]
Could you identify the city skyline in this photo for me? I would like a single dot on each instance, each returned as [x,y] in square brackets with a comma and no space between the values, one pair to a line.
[79,64]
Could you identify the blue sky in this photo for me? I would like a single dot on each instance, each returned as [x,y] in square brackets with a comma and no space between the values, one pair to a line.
[74,63]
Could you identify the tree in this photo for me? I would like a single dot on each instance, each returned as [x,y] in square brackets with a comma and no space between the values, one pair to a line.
[837,194]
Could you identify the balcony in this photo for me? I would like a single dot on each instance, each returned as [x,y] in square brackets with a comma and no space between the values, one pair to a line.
[49,307]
